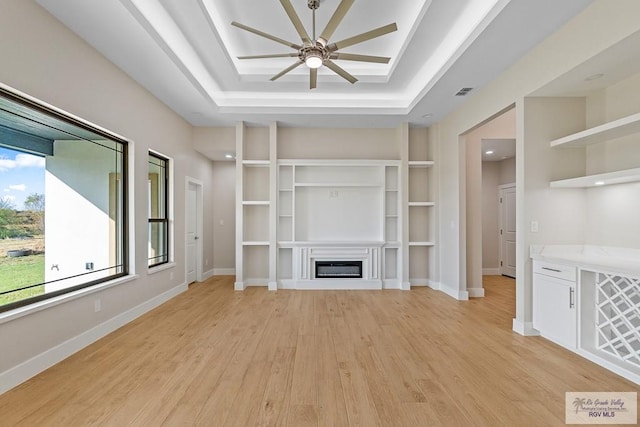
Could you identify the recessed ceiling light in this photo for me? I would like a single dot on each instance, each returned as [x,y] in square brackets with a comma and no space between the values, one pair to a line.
[488,152]
[228,156]
[594,77]
[598,183]
[426,116]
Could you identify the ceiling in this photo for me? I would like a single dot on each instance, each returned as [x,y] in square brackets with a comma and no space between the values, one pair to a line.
[184,52]
[498,149]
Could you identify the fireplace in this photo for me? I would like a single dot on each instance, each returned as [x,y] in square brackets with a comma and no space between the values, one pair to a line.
[338,270]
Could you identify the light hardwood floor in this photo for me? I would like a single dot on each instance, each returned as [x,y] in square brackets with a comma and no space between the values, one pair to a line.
[217,357]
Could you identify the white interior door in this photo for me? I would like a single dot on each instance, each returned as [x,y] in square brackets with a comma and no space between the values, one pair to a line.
[508,230]
[193,251]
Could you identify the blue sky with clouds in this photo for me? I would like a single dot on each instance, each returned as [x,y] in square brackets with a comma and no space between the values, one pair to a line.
[21,174]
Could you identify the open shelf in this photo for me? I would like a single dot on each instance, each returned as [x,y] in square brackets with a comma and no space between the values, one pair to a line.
[255,243]
[335,184]
[256,163]
[420,163]
[421,244]
[609,178]
[255,202]
[421,204]
[612,130]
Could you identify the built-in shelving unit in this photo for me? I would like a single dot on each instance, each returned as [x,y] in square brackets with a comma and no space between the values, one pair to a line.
[612,130]
[419,212]
[294,213]
[615,129]
[609,178]
[341,206]
[255,206]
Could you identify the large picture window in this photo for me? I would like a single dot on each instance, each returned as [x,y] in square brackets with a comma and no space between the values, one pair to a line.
[62,203]
[158,189]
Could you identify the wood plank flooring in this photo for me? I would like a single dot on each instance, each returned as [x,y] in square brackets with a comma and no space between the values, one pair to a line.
[215,357]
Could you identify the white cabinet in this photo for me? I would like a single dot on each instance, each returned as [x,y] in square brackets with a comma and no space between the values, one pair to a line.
[554,302]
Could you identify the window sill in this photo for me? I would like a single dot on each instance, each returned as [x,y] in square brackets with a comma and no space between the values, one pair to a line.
[62,299]
[161,267]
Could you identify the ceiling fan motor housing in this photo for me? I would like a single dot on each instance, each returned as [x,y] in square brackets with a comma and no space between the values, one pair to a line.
[313,4]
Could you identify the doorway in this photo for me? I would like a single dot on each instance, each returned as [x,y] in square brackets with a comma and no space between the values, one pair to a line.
[489,162]
[193,230]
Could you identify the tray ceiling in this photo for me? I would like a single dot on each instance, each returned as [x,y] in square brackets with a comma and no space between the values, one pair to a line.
[185,53]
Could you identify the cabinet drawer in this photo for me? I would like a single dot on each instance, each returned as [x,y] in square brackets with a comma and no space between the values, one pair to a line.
[555,270]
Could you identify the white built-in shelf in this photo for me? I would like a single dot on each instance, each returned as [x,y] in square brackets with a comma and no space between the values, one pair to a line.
[421,204]
[609,178]
[262,163]
[336,184]
[420,163]
[255,202]
[286,216]
[421,244]
[391,216]
[391,189]
[255,243]
[393,245]
[286,190]
[612,130]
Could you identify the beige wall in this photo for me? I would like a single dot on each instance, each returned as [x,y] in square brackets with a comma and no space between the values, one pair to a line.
[601,25]
[44,59]
[224,217]
[315,143]
[612,218]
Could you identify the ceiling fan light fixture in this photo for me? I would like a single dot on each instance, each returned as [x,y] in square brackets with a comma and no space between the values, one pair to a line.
[313,59]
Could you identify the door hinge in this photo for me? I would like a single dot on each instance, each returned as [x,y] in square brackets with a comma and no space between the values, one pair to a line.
[501,231]
[500,199]
[500,263]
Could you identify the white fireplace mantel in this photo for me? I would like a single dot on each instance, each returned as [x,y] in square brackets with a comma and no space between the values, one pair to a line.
[305,255]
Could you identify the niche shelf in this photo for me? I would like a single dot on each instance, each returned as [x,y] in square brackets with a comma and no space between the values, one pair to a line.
[597,180]
[615,129]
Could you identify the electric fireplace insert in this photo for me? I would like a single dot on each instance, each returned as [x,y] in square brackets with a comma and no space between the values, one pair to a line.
[338,269]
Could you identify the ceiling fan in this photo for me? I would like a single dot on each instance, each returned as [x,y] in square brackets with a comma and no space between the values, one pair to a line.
[315,52]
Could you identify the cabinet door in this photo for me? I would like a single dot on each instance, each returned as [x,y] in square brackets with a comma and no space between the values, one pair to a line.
[554,312]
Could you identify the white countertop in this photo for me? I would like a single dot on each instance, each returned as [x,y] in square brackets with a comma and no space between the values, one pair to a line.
[624,261]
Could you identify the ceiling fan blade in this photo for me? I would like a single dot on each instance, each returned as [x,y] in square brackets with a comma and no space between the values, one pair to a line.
[363,37]
[295,20]
[339,71]
[265,35]
[335,20]
[275,55]
[361,58]
[286,70]
[313,78]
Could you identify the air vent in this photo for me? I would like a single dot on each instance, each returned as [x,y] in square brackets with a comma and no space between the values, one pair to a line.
[464,91]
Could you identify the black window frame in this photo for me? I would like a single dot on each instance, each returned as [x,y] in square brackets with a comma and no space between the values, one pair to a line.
[164,220]
[39,107]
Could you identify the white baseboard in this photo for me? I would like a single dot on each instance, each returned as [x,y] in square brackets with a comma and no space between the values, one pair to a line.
[238,286]
[454,293]
[491,271]
[475,292]
[207,275]
[224,272]
[434,285]
[391,284]
[272,286]
[419,282]
[22,372]
[525,328]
